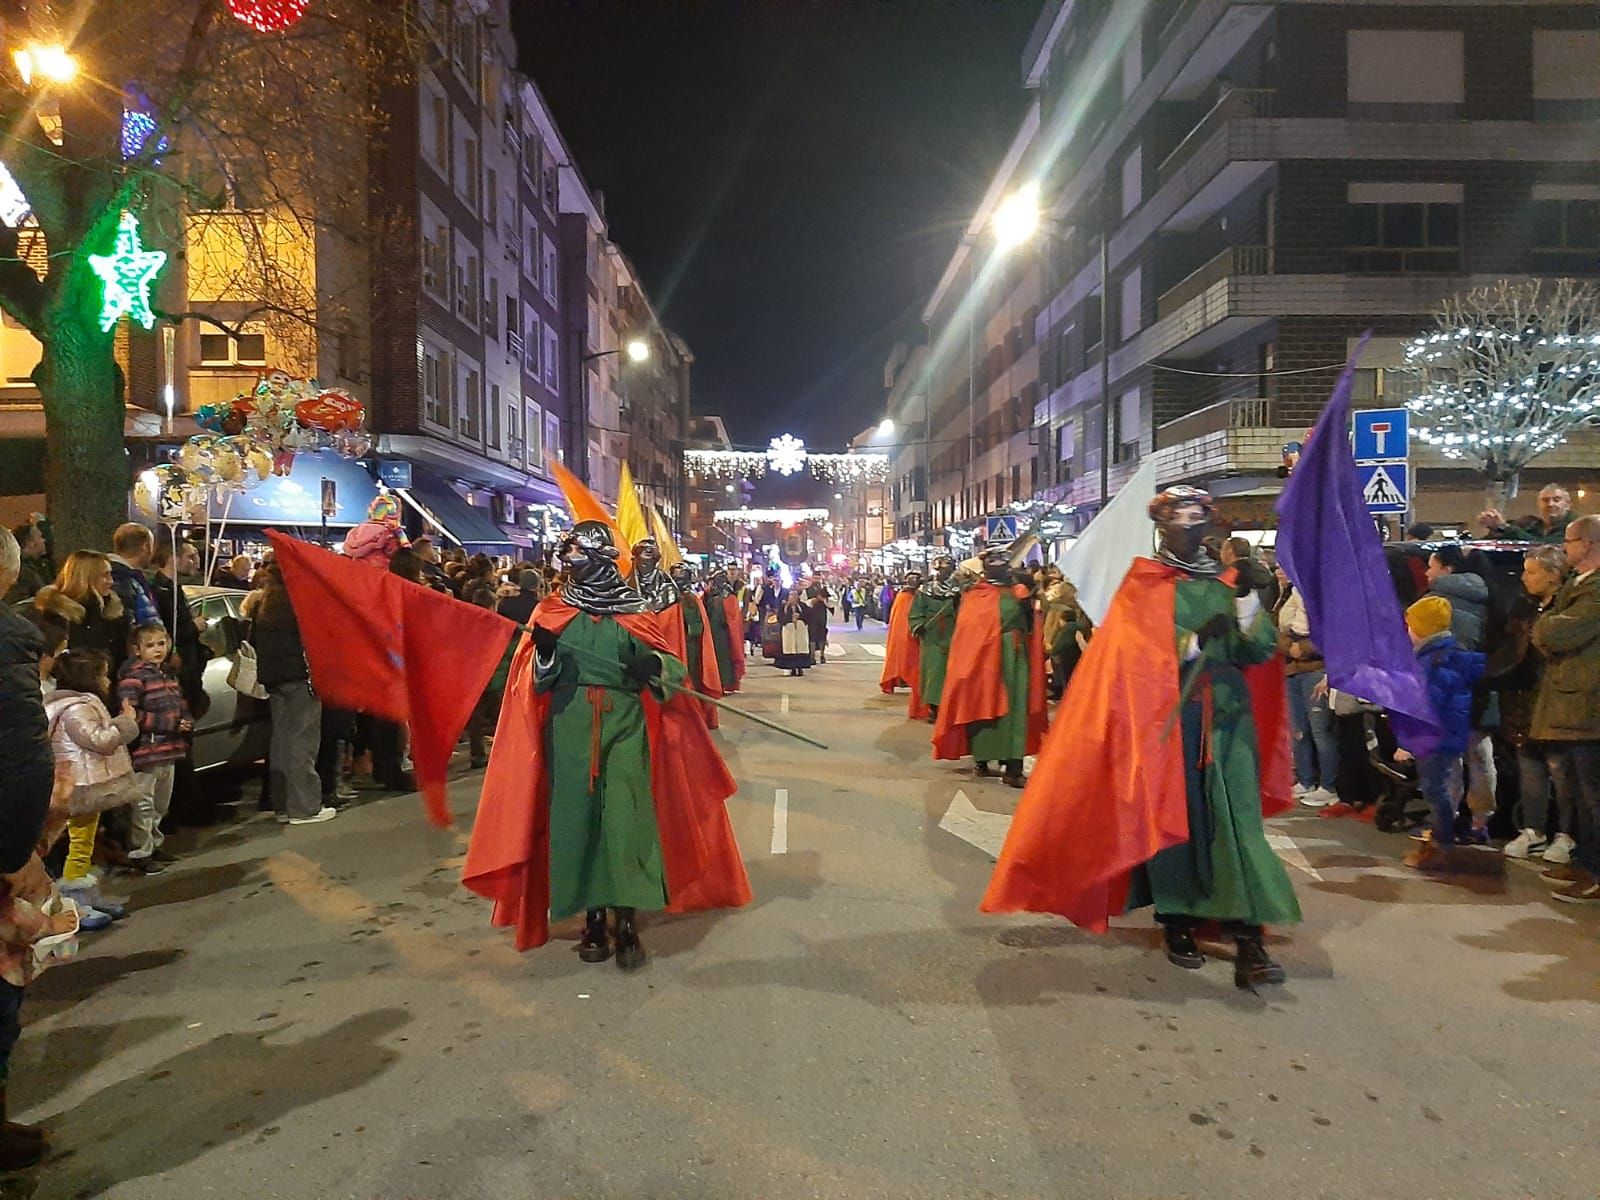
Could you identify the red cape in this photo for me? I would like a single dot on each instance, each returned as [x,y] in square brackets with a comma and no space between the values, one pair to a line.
[974,687]
[677,631]
[902,661]
[735,616]
[1107,794]
[508,859]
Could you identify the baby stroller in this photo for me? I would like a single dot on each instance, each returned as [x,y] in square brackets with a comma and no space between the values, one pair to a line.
[1401,805]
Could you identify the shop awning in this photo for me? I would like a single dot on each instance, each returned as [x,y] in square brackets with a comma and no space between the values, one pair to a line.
[296,498]
[452,516]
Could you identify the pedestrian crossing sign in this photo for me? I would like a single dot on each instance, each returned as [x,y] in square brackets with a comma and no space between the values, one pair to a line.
[1386,487]
[1000,530]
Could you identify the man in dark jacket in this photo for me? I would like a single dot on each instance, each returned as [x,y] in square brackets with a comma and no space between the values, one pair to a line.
[1468,594]
[1555,514]
[34,571]
[519,605]
[132,548]
[1568,708]
[26,762]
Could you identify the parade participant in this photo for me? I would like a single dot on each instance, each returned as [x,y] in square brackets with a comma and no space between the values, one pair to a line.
[900,665]
[993,706]
[1121,811]
[932,620]
[649,580]
[700,648]
[604,790]
[727,629]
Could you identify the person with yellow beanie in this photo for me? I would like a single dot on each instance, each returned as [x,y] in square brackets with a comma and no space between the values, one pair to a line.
[1452,673]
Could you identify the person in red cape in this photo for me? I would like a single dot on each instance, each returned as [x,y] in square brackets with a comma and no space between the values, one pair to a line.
[604,790]
[1170,744]
[993,706]
[902,655]
[699,646]
[726,620]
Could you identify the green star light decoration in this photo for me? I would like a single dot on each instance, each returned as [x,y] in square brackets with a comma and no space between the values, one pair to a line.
[129,272]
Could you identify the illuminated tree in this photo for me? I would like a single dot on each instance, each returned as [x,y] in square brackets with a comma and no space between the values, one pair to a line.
[229,130]
[1509,373]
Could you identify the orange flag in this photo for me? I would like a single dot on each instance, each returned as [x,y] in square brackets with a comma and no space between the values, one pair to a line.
[586,506]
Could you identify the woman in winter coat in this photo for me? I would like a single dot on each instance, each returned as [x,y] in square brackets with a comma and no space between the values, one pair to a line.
[82,593]
[1515,670]
[92,744]
[296,711]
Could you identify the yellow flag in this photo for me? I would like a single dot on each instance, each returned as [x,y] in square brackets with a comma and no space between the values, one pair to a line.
[630,516]
[586,506]
[670,554]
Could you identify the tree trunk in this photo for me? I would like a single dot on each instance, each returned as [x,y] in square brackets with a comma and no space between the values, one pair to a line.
[1499,493]
[86,473]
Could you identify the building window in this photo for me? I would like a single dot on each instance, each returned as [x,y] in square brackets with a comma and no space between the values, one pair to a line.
[1125,437]
[552,355]
[436,130]
[436,386]
[494,417]
[491,308]
[534,346]
[471,392]
[552,186]
[1566,218]
[1404,73]
[530,247]
[1132,303]
[552,438]
[534,425]
[467,171]
[469,285]
[1410,228]
[224,350]
[1566,73]
[491,200]
[549,280]
[437,244]
[1132,180]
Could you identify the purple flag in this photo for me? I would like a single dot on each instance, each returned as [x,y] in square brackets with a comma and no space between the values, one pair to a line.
[1329,548]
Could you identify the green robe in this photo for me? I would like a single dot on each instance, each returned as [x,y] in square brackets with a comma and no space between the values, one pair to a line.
[605,850]
[1226,870]
[694,629]
[1006,738]
[722,638]
[933,624]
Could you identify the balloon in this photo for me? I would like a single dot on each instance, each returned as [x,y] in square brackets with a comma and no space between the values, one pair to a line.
[332,410]
[165,492]
[211,416]
[255,463]
[352,443]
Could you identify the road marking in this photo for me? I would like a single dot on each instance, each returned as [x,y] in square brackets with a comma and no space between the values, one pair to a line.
[875,649]
[783,703]
[985,830]
[780,822]
[1284,846]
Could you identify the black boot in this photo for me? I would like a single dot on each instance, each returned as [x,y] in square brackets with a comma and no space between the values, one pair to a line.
[1013,775]
[1181,950]
[981,770]
[21,1146]
[1253,965]
[630,950]
[596,944]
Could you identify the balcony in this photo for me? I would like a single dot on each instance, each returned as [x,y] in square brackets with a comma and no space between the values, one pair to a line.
[1235,260]
[1233,437]
[1236,104]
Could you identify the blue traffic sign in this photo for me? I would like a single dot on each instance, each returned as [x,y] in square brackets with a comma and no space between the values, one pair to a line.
[1000,529]
[1382,434]
[1386,487]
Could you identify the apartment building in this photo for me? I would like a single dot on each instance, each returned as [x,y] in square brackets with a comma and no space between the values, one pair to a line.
[1264,182]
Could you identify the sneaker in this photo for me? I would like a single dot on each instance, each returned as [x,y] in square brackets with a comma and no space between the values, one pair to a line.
[163,855]
[1318,798]
[1421,834]
[91,920]
[282,818]
[1560,849]
[1582,891]
[345,792]
[324,814]
[1525,845]
[1560,876]
[143,865]
[1299,790]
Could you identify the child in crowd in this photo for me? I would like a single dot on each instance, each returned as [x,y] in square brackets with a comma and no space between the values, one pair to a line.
[93,746]
[149,687]
[1451,673]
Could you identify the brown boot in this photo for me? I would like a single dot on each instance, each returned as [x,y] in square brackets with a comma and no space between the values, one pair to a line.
[21,1146]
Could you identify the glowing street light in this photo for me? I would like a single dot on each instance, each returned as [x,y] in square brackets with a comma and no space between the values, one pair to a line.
[886,427]
[52,63]
[638,350]
[1016,220]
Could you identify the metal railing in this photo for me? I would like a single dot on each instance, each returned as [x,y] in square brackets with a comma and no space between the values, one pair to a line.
[1253,412]
[1235,260]
[1232,105]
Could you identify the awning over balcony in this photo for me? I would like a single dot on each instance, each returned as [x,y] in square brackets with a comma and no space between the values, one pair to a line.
[296,498]
[447,513]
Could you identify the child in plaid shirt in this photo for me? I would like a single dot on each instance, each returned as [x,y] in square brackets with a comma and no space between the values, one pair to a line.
[164,726]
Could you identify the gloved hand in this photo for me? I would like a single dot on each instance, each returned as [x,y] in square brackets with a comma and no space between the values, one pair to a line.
[1215,627]
[1252,575]
[642,668]
[544,641]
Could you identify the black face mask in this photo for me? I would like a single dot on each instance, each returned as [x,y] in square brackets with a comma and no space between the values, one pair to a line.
[997,571]
[594,585]
[1183,542]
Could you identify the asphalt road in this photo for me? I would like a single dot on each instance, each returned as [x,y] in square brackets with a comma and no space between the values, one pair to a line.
[324,1012]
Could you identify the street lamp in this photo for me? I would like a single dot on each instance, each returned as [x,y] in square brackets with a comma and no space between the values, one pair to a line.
[1016,218]
[53,63]
[886,427]
[638,350]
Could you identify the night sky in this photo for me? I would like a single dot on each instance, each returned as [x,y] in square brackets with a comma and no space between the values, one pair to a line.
[789,176]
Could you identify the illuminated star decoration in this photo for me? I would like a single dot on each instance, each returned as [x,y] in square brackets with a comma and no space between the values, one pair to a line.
[787,454]
[128,272]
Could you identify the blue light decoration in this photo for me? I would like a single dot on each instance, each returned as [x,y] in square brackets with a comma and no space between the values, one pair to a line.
[138,127]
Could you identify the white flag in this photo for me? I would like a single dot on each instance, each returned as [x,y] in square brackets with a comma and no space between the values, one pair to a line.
[1096,563]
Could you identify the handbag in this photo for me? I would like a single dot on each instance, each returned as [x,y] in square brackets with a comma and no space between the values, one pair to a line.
[242,676]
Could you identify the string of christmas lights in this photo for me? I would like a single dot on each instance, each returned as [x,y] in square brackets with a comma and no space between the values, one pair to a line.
[787,455]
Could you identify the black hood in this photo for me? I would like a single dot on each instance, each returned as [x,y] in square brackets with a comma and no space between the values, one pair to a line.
[593,584]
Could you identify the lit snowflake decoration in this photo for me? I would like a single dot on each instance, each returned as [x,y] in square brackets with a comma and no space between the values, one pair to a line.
[786,455]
